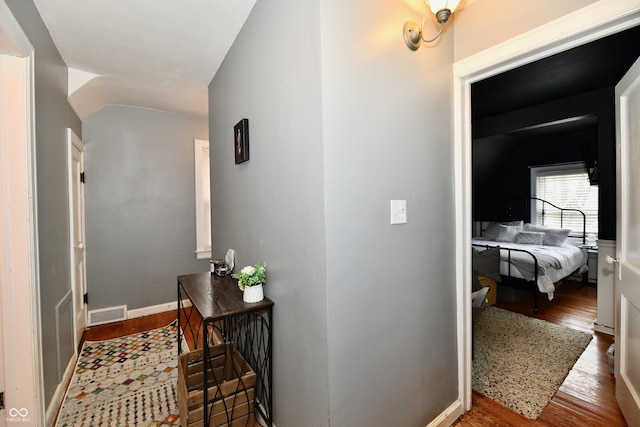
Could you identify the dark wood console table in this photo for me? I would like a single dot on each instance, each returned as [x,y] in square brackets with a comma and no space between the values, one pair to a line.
[217,303]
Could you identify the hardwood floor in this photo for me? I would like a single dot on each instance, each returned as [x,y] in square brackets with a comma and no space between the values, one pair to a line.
[131,326]
[587,396]
[127,327]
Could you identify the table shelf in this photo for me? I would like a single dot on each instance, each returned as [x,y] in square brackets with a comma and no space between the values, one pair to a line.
[221,315]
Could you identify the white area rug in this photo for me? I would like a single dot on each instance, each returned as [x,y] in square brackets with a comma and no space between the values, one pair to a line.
[521,362]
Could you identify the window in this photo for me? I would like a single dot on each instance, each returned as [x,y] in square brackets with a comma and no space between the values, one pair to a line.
[203,199]
[566,186]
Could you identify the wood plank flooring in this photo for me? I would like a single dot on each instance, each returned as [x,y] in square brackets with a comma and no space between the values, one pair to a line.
[587,396]
[138,324]
[127,327]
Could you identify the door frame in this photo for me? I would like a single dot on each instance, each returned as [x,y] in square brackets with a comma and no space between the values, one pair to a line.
[595,21]
[74,141]
[22,354]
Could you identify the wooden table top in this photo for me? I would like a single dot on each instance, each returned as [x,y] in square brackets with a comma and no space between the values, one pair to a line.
[216,297]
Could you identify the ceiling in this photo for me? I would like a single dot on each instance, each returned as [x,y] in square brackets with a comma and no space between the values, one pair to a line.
[585,68]
[147,53]
[593,66]
[163,55]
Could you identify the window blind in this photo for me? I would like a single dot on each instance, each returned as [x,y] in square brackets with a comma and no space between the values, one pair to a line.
[567,189]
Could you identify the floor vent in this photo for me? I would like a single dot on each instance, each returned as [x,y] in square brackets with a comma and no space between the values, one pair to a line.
[107,315]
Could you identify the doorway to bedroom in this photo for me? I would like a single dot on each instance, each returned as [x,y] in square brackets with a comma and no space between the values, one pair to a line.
[524,124]
[547,130]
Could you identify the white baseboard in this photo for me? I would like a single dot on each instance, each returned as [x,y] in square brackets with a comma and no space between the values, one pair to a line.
[259,420]
[604,328]
[58,396]
[448,416]
[155,309]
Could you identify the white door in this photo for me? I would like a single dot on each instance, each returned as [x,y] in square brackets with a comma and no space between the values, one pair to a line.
[627,351]
[76,207]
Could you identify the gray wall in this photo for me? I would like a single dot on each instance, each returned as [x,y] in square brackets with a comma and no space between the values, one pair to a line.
[139,204]
[387,132]
[271,208]
[53,116]
[343,118]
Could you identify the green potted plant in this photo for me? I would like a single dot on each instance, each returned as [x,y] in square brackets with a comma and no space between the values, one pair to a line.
[251,280]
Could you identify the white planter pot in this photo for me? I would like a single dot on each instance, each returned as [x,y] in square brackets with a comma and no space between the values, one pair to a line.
[253,293]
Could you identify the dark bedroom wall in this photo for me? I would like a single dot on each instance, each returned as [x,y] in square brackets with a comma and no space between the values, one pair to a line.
[512,180]
[575,83]
[502,153]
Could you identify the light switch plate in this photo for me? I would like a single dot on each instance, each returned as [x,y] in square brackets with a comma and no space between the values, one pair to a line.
[398,211]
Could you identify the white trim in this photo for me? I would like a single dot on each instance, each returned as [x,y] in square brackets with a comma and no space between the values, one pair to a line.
[143,311]
[36,322]
[587,24]
[61,391]
[22,353]
[463,219]
[154,309]
[74,141]
[448,416]
[13,41]
[606,301]
[259,419]
[592,22]
[203,254]
[203,212]
[604,329]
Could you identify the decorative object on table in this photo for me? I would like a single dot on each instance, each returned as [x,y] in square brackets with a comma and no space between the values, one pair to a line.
[241,141]
[220,267]
[522,374]
[250,281]
[130,380]
[230,259]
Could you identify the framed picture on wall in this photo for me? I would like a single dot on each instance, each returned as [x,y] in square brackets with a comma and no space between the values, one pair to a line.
[241,141]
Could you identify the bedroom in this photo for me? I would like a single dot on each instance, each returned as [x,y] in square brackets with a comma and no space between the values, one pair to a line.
[556,111]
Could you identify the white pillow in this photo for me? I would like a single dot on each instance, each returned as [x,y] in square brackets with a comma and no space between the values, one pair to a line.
[552,236]
[508,233]
[530,237]
[493,228]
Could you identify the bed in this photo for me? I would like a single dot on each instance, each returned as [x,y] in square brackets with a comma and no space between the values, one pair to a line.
[538,255]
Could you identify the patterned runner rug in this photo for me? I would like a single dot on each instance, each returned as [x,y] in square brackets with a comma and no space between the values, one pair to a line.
[520,361]
[126,381]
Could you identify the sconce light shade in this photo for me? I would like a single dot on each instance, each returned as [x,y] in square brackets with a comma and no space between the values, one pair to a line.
[438,5]
[442,9]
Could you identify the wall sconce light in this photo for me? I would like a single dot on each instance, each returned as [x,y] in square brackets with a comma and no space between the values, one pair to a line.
[442,9]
